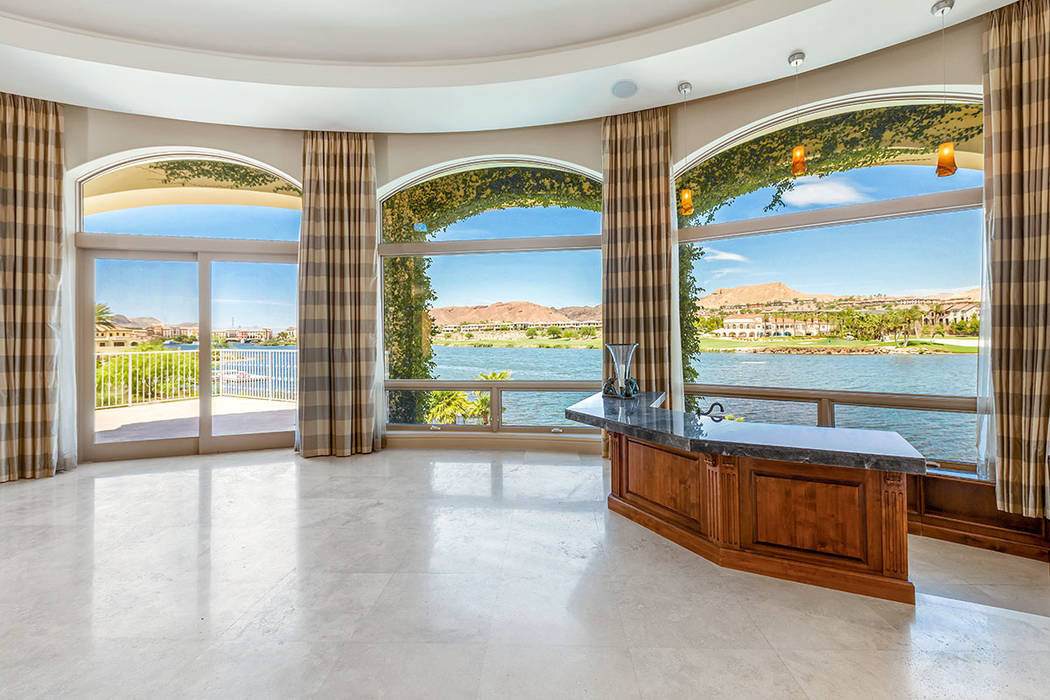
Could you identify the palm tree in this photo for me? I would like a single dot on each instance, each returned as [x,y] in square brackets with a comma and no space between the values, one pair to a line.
[104,316]
[448,407]
[483,399]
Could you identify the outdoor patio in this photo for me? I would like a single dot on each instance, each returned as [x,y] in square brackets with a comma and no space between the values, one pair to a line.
[173,419]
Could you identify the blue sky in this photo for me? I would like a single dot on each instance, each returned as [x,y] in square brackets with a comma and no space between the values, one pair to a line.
[246,295]
[935,253]
[923,254]
[200,220]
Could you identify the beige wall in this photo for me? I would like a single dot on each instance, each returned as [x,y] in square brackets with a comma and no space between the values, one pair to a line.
[915,63]
[95,133]
[92,134]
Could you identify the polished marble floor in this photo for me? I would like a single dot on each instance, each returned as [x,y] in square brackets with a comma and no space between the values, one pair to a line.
[457,574]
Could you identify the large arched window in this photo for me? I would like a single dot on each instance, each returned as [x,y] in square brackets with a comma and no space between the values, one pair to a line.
[863,275]
[186,279]
[491,297]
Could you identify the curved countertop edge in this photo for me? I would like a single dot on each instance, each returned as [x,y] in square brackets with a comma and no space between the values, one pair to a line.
[643,409]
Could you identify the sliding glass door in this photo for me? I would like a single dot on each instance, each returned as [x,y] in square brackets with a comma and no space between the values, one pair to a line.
[186,308]
[146,369]
[254,357]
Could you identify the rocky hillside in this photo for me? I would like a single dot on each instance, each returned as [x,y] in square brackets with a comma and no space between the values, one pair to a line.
[755,294]
[122,321]
[514,312]
[759,294]
[582,313]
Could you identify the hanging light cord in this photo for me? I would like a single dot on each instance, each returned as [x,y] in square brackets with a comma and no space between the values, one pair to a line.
[944,61]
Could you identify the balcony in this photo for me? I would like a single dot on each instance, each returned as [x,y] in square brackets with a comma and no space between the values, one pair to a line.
[156,395]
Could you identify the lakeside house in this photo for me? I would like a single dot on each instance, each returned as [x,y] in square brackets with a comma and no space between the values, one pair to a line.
[122,337]
[760,326]
[117,339]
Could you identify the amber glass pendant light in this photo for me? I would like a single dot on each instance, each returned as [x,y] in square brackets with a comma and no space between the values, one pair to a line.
[946,159]
[685,195]
[946,151]
[798,153]
[685,202]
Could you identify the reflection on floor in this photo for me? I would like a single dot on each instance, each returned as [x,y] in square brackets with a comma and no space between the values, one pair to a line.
[176,419]
[457,574]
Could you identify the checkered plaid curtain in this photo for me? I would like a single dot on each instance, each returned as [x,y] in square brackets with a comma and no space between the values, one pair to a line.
[31,172]
[1017,199]
[337,296]
[637,242]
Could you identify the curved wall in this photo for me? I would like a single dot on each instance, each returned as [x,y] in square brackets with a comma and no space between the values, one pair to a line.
[915,65]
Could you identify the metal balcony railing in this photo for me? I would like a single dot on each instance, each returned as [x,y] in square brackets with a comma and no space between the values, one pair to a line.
[133,378]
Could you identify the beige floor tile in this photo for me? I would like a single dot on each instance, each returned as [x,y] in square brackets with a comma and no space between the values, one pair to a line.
[458,574]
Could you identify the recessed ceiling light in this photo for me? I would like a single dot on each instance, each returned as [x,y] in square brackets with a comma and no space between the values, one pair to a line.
[624,89]
[942,7]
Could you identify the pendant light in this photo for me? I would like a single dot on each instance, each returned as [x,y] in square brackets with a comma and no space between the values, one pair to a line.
[946,151]
[685,196]
[798,153]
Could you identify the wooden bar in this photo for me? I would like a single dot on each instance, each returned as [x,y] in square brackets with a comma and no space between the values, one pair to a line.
[840,526]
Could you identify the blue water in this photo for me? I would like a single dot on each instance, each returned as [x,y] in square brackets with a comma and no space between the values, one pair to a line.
[949,436]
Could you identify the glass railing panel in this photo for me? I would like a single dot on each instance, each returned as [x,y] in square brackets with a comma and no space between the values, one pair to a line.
[937,435]
[444,407]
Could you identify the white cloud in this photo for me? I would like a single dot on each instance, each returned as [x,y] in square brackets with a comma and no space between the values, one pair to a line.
[817,193]
[713,254]
[720,273]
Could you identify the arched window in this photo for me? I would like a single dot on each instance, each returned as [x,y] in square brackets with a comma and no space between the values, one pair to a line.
[492,274]
[192,197]
[186,279]
[862,261]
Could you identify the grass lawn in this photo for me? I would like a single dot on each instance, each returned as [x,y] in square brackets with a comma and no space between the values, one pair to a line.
[591,343]
[724,344]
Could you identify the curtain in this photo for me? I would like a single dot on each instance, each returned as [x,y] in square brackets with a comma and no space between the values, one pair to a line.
[31,171]
[1017,198]
[337,297]
[987,435]
[638,283]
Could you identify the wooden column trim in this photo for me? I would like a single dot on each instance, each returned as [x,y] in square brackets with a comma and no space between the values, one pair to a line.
[895,530]
[710,523]
[729,501]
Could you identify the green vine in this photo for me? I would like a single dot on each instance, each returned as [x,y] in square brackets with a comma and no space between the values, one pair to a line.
[210,173]
[418,214]
[837,143]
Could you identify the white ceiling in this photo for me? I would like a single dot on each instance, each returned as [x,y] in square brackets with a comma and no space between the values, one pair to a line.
[362,31]
[426,65]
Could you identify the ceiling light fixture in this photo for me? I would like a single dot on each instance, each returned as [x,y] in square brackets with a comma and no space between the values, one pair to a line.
[685,195]
[798,153]
[946,151]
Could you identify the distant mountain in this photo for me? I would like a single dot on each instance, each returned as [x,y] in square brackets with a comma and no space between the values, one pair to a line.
[771,292]
[122,321]
[582,313]
[513,312]
[755,294]
[965,295]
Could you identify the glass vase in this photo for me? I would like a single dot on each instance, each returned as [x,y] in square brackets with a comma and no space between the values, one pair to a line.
[621,384]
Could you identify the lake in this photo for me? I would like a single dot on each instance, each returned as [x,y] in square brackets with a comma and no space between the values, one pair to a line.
[948,436]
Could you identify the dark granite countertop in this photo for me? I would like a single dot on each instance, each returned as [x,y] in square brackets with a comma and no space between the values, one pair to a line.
[841,447]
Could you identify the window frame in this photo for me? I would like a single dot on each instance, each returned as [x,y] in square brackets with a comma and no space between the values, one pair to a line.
[967,199]
[90,247]
[474,247]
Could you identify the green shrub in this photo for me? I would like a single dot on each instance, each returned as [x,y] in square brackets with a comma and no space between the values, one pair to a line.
[554,332]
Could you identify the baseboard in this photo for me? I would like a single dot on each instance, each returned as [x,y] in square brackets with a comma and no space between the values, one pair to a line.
[587,444]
